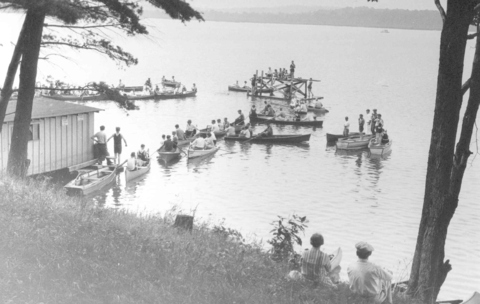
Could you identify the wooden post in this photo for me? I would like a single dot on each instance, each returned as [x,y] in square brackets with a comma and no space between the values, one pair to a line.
[261,89]
[184,221]
[306,91]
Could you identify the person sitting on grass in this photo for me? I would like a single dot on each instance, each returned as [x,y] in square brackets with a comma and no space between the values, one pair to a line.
[370,281]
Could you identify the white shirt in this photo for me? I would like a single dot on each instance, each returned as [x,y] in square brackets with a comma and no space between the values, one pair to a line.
[213,136]
[131,164]
[231,131]
[199,143]
[245,133]
[162,141]
[215,128]
[209,143]
[366,278]
[347,125]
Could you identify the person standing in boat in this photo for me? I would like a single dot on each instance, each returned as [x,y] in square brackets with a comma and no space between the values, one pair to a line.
[100,139]
[378,128]
[373,118]
[190,129]
[180,133]
[240,119]
[361,123]
[370,281]
[368,116]
[292,69]
[117,144]
[346,127]
[148,84]
[194,88]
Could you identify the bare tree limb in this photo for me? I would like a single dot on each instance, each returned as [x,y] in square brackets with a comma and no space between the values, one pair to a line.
[441,10]
[466,86]
[82,27]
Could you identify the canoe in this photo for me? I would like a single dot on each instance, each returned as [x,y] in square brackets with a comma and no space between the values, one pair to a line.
[163,96]
[200,153]
[275,139]
[94,180]
[335,137]
[217,133]
[269,119]
[337,258]
[168,156]
[474,299]
[185,141]
[77,98]
[170,83]
[379,149]
[239,89]
[354,142]
[139,171]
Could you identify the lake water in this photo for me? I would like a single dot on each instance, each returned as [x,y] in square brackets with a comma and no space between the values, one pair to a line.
[348,197]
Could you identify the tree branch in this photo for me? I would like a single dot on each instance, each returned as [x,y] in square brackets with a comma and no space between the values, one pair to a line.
[82,27]
[441,10]
[471,36]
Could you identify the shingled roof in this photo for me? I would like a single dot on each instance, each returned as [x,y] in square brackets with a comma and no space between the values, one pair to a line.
[46,107]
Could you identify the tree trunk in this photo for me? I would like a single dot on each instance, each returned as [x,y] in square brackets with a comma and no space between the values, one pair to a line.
[10,78]
[428,268]
[33,28]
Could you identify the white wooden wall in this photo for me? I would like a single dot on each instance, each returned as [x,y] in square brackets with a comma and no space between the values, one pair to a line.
[64,141]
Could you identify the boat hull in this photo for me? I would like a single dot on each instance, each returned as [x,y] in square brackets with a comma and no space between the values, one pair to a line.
[171,84]
[140,171]
[318,110]
[89,182]
[201,153]
[276,139]
[267,119]
[169,156]
[77,98]
[163,96]
[381,149]
[354,142]
[217,133]
[335,137]
[239,89]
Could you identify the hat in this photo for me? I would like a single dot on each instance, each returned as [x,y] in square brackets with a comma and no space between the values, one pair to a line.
[364,247]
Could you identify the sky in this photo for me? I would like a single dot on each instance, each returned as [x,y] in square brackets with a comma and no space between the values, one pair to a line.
[381,4]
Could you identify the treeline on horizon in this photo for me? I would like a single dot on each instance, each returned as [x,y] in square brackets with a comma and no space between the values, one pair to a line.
[357,17]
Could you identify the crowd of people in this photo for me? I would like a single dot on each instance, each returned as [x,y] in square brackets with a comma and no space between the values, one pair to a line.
[375,124]
[366,279]
[167,87]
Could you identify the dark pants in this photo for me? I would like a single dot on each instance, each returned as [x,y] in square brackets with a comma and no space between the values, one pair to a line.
[101,152]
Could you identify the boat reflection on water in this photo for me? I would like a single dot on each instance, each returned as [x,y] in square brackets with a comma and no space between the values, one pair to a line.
[198,163]
[384,156]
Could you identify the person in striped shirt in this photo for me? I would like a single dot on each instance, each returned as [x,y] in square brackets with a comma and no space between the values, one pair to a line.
[315,264]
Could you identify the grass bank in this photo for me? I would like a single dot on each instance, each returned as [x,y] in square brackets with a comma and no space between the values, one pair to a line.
[57,249]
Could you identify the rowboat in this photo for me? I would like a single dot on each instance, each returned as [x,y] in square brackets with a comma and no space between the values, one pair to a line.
[200,153]
[90,181]
[139,171]
[168,156]
[163,96]
[354,142]
[269,119]
[335,137]
[77,98]
[275,139]
[217,133]
[170,83]
[321,110]
[379,149]
[239,89]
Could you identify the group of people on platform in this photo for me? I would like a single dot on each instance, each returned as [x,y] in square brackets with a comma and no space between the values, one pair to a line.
[375,123]
[139,159]
[149,90]
[370,281]
[282,73]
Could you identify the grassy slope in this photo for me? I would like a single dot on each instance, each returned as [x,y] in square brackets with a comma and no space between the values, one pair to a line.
[55,249]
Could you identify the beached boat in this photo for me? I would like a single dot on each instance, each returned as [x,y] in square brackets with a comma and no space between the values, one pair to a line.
[275,139]
[200,153]
[68,97]
[354,142]
[379,149]
[139,171]
[168,156]
[269,119]
[235,88]
[334,137]
[155,96]
[170,83]
[90,181]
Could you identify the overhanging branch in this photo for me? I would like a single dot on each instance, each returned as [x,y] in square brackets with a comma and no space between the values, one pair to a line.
[441,10]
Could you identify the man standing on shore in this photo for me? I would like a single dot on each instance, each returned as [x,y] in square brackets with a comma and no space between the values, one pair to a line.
[369,280]
[100,139]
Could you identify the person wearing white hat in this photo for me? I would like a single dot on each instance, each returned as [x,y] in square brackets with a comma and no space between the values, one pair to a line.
[367,279]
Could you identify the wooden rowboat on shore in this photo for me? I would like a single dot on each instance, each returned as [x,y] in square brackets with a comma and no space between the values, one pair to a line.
[155,96]
[269,119]
[139,171]
[201,153]
[88,182]
[275,139]
[168,156]
[354,142]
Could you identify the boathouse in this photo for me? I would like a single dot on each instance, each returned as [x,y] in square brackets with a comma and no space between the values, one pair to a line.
[59,136]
